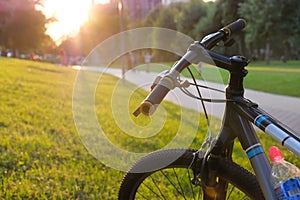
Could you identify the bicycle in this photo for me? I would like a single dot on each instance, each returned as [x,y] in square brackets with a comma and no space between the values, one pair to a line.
[194,174]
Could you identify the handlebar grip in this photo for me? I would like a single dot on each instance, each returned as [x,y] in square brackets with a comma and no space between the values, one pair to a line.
[235,26]
[149,105]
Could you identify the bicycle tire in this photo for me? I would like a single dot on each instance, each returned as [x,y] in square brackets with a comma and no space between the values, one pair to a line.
[133,181]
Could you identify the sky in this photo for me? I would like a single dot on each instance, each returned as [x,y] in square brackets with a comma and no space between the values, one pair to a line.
[70,15]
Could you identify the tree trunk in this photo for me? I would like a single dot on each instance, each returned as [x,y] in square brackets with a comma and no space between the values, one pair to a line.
[242,46]
[267,51]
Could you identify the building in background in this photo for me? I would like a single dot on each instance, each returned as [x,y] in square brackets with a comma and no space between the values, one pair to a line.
[166,2]
[138,9]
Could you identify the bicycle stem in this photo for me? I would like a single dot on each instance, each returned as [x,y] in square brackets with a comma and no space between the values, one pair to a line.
[235,65]
[236,126]
[197,52]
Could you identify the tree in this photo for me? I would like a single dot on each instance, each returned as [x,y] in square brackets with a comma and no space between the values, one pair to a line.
[229,12]
[191,14]
[272,24]
[209,23]
[177,16]
[164,16]
[289,26]
[23,27]
[5,18]
[219,14]
[104,21]
[259,27]
[152,17]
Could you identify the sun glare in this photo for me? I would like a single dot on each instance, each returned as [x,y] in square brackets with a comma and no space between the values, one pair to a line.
[70,15]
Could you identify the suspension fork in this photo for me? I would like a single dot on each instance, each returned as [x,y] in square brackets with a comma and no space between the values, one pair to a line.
[214,188]
[235,126]
[225,141]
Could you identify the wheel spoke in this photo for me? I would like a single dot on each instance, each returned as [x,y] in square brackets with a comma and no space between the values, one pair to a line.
[190,183]
[199,195]
[157,187]
[160,196]
[174,181]
[171,182]
[144,197]
[230,193]
[179,183]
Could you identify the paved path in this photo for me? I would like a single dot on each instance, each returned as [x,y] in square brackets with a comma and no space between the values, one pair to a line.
[284,108]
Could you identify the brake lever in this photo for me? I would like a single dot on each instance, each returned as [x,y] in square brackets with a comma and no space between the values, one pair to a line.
[208,37]
[162,74]
[229,42]
[158,78]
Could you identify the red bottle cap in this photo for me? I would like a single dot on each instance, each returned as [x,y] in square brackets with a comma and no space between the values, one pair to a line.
[275,154]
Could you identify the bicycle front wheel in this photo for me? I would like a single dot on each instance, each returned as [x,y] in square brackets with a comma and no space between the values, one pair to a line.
[173,181]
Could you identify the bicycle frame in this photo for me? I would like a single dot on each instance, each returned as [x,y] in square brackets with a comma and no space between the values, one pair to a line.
[238,116]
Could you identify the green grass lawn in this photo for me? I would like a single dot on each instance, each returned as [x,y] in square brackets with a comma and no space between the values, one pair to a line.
[277,77]
[41,154]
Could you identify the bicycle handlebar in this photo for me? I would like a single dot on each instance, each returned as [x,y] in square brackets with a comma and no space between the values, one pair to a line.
[149,105]
[157,94]
[168,82]
[235,26]
[211,40]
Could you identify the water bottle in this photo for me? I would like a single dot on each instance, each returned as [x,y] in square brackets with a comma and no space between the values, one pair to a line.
[285,177]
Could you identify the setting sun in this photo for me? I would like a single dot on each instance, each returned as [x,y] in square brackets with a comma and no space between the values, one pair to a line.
[70,15]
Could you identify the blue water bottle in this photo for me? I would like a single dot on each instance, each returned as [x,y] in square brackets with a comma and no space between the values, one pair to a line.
[285,176]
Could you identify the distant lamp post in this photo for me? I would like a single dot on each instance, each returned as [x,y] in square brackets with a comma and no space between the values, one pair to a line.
[121,15]
[120,5]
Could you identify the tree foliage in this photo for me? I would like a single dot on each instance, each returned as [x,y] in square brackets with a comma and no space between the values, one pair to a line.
[208,23]
[273,22]
[219,14]
[177,16]
[104,21]
[273,25]
[191,13]
[164,16]
[23,26]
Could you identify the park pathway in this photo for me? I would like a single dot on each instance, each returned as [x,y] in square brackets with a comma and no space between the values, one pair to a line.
[284,108]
